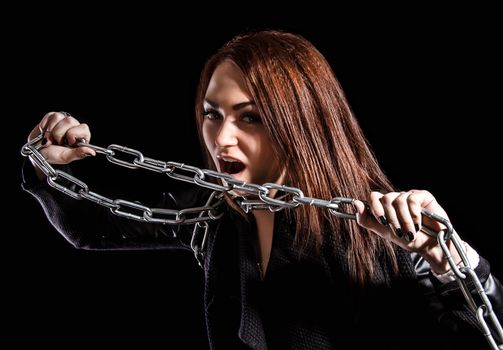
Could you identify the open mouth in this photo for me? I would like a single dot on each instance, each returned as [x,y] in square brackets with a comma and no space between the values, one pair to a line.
[231,167]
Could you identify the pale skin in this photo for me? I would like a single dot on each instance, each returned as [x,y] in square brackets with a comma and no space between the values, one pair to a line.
[232,129]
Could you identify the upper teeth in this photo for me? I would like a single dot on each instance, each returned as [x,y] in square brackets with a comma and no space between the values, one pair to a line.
[230,160]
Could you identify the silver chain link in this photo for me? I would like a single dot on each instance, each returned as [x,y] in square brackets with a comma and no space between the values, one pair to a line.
[200,216]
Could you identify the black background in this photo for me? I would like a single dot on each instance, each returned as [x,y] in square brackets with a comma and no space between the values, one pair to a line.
[425,91]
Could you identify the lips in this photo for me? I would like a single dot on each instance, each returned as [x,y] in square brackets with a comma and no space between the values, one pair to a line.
[230,165]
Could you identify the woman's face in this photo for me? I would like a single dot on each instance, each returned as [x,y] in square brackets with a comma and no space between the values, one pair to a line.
[233,131]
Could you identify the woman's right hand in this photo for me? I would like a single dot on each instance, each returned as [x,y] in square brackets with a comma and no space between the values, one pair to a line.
[61,131]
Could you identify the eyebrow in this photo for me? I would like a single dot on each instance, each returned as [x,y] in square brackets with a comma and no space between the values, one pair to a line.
[236,107]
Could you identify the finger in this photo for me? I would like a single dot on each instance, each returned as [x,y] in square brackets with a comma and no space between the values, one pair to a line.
[64,155]
[365,218]
[413,201]
[51,119]
[43,123]
[376,207]
[363,215]
[41,127]
[76,133]
[401,206]
[390,213]
[35,132]
[426,200]
[363,212]
[60,128]
[48,124]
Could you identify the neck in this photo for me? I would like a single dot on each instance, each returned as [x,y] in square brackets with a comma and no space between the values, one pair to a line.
[265,228]
[262,214]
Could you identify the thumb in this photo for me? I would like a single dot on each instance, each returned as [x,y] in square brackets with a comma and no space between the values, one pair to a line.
[77,153]
[64,155]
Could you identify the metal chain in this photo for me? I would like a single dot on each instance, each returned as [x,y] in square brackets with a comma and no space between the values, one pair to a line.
[465,274]
[340,207]
[122,207]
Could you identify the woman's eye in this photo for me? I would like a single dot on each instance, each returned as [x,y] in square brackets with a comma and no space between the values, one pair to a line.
[250,118]
[211,115]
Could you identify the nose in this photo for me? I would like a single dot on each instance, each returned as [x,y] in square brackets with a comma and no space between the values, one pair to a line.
[227,134]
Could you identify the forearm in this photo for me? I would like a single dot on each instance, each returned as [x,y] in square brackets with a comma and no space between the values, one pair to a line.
[89,226]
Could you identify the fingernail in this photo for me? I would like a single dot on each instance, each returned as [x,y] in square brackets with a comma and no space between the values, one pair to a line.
[383,220]
[44,141]
[416,226]
[399,232]
[409,237]
[85,154]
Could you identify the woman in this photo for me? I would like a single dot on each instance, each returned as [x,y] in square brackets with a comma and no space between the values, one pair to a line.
[269,109]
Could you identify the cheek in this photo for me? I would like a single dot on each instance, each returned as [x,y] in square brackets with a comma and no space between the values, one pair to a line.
[208,136]
[267,152]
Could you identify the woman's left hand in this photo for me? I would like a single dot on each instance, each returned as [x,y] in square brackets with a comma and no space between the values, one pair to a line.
[396,216]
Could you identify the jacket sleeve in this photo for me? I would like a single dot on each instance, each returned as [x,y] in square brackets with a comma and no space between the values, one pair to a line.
[87,225]
[447,302]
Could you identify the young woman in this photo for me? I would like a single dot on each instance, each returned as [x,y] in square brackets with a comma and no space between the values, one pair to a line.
[270,110]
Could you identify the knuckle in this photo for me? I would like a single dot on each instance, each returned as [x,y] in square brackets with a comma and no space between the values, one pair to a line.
[422,192]
[49,118]
[54,119]
[398,201]
[71,119]
[64,121]
[403,195]
[50,114]
[374,197]
[412,198]
[427,193]
[386,200]
[58,116]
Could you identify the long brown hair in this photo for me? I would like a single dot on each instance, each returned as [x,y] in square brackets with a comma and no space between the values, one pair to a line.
[314,134]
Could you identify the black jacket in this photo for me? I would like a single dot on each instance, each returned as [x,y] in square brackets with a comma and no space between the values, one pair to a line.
[305,301]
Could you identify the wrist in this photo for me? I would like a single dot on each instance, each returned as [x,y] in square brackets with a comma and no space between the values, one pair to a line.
[435,256]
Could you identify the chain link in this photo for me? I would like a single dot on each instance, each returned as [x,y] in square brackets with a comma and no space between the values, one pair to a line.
[200,216]
[465,274]
[78,189]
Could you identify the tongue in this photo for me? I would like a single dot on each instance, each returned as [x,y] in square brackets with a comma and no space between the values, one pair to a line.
[234,167]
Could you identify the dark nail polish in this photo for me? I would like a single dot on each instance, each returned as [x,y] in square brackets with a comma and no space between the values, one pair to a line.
[399,232]
[383,220]
[44,141]
[409,237]
[416,226]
